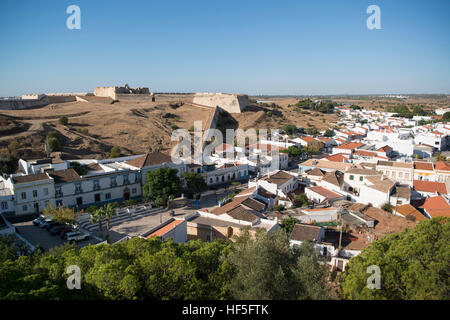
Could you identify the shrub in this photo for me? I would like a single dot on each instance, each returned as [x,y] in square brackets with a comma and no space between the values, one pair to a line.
[63,120]
[115,152]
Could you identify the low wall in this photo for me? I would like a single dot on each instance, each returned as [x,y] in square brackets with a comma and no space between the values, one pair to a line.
[23,104]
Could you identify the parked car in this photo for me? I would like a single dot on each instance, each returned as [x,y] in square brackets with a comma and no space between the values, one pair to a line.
[62,234]
[38,220]
[57,229]
[76,236]
[52,224]
[45,222]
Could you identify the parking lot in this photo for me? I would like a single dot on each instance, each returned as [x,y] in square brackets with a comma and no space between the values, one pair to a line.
[41,237]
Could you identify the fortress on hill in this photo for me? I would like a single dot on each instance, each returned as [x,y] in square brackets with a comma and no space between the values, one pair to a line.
[124,93]
[233,103]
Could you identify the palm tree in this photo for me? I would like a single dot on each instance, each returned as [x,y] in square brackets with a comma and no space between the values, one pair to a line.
[97,216]
[109,211]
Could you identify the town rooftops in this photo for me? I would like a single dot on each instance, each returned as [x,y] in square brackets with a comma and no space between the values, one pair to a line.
[316,172]
[324,192]
[334,177]
[395,164]
[241,213]
[428,166]
[362,171]
[304,232]
[338,157]
[429,186]
[278,178]
[381,183]
[30,178]
[323,164]
[408,209]
[436,206]
[384,149]
[350,145]
[150,159]
[64,176]
[164,229]
[442,165]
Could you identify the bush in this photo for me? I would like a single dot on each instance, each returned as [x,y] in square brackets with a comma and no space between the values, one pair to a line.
[387,207]
[53,144]
[63,120]
[115,152]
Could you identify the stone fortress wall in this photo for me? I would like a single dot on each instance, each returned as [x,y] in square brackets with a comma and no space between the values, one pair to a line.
[40,100]
[232,103]
[124,93]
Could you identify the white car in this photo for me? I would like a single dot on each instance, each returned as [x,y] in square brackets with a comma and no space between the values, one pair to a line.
[76,236]
[44,222]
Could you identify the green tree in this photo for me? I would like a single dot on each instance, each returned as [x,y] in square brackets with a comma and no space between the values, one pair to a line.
[295,273]
[53,144]
[290,129]
[293,151]
[440,157]
[63,120]
[195,183]
[162,184]
[9,165]
[301,200]
[413,265]
[80,169]
[329,133]
[288,224]
[109,211]
[61,214]
[96,216]
[115,152]
[446,116]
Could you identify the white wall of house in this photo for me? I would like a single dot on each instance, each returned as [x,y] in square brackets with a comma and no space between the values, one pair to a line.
[33,196]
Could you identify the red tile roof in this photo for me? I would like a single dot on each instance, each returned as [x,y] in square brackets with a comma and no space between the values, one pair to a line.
[430,186]
[384,149]
[324,192]
[338,157]
[442,165]
[162,231]
[436,207]
[350,145]
[423,166]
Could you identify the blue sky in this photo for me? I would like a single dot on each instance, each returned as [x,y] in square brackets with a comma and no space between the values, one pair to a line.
[253,47]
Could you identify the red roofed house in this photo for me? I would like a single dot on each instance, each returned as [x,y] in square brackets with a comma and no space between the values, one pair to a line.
[175,229]
[337,157]
[347,148]
[428,188]
[322,195]
[385,151]
[436,207]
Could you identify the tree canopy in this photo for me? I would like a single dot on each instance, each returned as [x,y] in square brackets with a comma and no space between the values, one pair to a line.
[195,182]
[414,265]
[162,184]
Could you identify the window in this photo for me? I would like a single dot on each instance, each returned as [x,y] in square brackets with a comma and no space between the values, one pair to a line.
[23,195]
[400,174]
[352,177]
[58,192]
[126,180]
[45,191]
[133,190]
[4,205]
[34,193]
[96,185]
[108,195]
[97,197]
[78,188]
[79,201]
[361,178]
[407,176]
[24,208]
[113,182]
